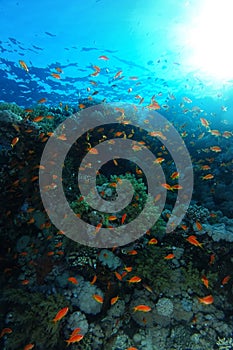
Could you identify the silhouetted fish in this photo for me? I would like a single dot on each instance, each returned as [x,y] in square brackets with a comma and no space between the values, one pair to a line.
[50,34]
[37,48]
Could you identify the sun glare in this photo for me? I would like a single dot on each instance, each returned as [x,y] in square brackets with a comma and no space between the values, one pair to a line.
[210,39]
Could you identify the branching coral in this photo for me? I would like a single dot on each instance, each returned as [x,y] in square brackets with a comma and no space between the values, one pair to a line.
[225,343]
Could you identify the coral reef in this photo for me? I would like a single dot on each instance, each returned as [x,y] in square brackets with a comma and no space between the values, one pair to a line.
[223,230]
[225,343]
[31,317]
[197,213]
[76,320]
[44,271]
[164,307]
[107,258]
[85,300]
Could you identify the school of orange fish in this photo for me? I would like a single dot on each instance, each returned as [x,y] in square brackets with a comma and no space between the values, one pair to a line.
[203,164]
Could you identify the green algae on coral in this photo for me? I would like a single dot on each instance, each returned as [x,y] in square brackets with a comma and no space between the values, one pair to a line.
[164,277]
[32,315]
[139,199]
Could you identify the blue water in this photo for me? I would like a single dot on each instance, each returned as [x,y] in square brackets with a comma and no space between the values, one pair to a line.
[147,39]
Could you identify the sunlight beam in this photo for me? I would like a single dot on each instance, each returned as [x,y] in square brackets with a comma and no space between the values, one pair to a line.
[210,39]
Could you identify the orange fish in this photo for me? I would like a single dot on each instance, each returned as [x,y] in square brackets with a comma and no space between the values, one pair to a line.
[134,279]
[143,308]
[118,133]
[136,148]
[59,70]
[81,105]
[169,256]
[225,280]
[215,149]
[60,252]
[51,253]
[25,282]
[212,259]
[167,186]
[98,227]
[128,268]
[117,74]
[206,300]
[56,75]
[205,281]
[132,348]
[157,197]
[153,241]
[176,187]
[204,122]
[23,254]
[215,132]
[24,66]
[62,137]
[193,240]
[97,68]
[113,184]
[112,218]
[34,178]
[39,167]
[98,298]
[114,300]
[132,252]
[123,218]
[205,167]
[118,275]
[14,141]
[227,134]
[124,274]
[5,331]
[93,151]
[29,346]
[75,332]
[158,133]
[31,221]
[159,160]
[61,314]
[138,171]
[74,339]
[73,280]
[198,226]
[207,177]
[38,119]
[175,175]
[94,279]
[58,245]
[42,100]
[105,58]
[153,106]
